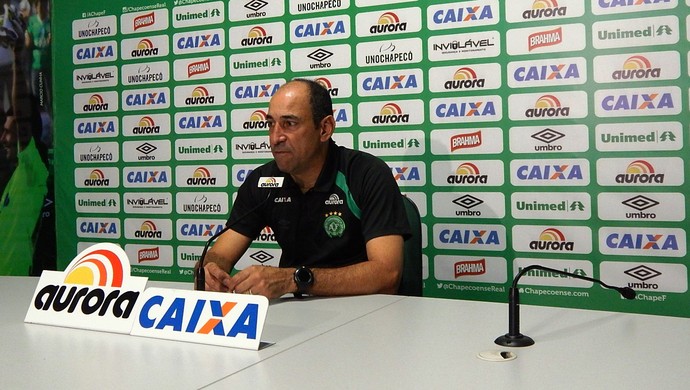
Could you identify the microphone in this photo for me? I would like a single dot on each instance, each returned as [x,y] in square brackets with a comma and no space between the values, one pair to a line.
[514,338]
[199,271]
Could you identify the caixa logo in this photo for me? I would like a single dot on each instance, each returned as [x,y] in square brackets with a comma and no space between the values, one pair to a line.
[466,109]
[198,121]
[643,241]
[550,172]
[254,92]
[234,320]
[193,230]
[638,101]
[455,236]
[146,99]
[95,52]
[198,41]
[456,16]
[92,127]
[147,177]
[156,313]
[408,173]
[104,228]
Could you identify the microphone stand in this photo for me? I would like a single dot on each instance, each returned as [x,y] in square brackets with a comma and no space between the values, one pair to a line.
[199,271]
[516,339]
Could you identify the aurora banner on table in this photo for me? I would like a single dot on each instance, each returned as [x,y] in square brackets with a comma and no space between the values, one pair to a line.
[529,131]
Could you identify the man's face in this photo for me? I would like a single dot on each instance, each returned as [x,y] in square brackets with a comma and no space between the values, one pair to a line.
[295,140]
[8,139]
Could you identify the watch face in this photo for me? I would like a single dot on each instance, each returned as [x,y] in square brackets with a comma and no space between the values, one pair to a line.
[304,276]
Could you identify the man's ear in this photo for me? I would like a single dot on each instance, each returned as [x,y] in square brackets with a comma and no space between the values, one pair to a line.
[327,128]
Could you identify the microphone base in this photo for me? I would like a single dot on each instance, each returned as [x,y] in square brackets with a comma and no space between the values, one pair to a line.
[518,340]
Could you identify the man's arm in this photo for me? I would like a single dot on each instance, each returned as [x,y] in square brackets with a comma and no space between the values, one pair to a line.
[222,257]
[378,275]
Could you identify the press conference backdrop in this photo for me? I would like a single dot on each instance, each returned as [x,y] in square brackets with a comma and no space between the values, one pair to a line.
[528,131]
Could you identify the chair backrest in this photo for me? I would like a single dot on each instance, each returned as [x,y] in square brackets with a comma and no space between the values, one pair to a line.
[411,282]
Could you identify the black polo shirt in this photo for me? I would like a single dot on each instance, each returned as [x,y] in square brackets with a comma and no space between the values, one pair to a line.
[354,200]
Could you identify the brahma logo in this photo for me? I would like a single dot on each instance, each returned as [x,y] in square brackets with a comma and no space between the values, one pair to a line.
[391,113]
[547,106]
[642,241]
[148,254]
[146,125]
[145,20]
[470,268]
[640,172]
[148,230]
[542,9]
[464,141]
[97,179]
[637,68]
[257,121]
[388,22]
[464,78]
[545,38]
[94,292]
[198,67]
[96,103]
[467,173]
[256,37]
[199,96]
[145,48]
[552,239]
[201,177]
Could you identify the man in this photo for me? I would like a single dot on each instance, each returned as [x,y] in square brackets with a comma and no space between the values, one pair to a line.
[338,216]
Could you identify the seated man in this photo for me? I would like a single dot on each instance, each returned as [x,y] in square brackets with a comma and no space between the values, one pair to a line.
[337,214]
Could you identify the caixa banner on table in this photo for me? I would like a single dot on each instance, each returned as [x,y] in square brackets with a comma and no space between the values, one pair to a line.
[96,292]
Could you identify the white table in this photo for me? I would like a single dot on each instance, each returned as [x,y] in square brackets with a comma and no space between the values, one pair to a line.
[423,343]
[370,342]
[40,357]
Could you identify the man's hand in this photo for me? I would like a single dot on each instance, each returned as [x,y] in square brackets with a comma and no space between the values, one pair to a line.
[216,278]
[271,282]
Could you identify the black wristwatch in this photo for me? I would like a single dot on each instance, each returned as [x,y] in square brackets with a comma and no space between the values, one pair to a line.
[304,278]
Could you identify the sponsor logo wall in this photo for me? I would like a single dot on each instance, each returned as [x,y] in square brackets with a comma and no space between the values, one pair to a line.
[528,132]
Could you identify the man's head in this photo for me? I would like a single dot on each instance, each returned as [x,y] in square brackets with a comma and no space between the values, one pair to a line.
[300,121]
